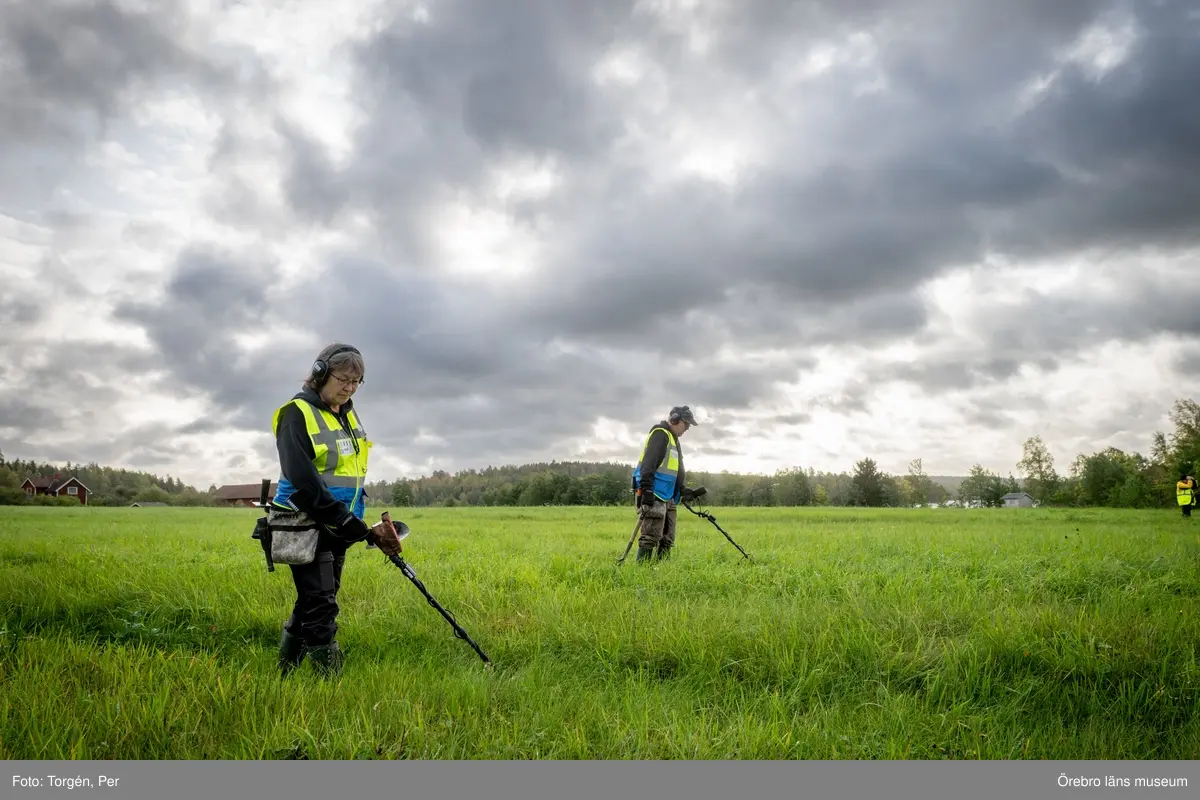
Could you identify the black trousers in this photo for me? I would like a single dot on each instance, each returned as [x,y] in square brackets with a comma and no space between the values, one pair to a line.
[314,616]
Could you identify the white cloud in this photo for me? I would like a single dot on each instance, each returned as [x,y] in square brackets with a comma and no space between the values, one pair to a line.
[482,243]
[1099,49]
[1104,45]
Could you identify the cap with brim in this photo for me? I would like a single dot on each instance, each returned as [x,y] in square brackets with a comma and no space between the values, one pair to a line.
[684,413]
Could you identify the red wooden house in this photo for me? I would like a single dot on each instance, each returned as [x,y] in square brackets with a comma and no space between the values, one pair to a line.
[58,486]
[242,494]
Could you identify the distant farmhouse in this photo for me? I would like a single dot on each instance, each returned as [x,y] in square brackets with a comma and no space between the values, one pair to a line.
[242,494]
[1018,500]
[58,486]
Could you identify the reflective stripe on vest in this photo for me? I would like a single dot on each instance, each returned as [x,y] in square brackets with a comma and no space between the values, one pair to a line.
[336,451]
[667,472]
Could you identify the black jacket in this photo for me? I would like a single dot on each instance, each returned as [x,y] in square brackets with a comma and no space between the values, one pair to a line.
[656,451]
[296,464]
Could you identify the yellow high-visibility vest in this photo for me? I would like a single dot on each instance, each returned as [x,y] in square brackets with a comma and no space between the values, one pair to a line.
[667,472]
[340,456]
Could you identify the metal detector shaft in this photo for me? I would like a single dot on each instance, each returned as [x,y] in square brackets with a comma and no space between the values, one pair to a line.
[636,527]
[713,520]
[458,630]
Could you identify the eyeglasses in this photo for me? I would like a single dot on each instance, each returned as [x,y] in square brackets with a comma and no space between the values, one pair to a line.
[347,382]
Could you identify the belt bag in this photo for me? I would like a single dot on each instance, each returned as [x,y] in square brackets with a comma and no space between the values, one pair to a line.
[294,536]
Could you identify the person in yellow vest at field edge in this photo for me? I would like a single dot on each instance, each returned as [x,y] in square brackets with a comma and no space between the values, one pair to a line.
[323,453]
[1185,493]
[658,479]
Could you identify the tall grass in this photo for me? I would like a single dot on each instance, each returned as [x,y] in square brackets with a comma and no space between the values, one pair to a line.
[980,634]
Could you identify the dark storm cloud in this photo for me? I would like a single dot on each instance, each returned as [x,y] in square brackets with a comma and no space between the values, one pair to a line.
[19,311]
[1138,309]
[734,388]
[874,319]
[314,188]
[437,359]
[478,81]
[714,434]
[70,72]
[62,369]
[938,375]
[1188,364]
[212,298]
[932,174]
[1044,331]
[67,67]
[911,181]
[48,389]
[450,361]
[930,32]
[511,76]
[26,415]
[453,362]
[150,447]
[989,417]
[854,396]
[1130,136]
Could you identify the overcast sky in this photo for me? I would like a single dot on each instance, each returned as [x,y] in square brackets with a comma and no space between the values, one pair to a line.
[836,229]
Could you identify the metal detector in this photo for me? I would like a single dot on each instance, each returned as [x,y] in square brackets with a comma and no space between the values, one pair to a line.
[402,531]
[687,496]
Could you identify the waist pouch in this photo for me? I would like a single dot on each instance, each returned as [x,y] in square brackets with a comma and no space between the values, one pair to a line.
[294,536]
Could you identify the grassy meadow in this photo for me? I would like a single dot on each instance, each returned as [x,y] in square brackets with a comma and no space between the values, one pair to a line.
[853,634]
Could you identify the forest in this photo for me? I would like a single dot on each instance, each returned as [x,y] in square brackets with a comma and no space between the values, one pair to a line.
[1106,478]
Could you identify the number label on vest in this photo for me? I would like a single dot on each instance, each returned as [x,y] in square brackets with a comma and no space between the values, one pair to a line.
[345,447]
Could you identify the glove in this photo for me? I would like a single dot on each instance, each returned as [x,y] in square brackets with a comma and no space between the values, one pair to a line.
[351,529]
[384,535]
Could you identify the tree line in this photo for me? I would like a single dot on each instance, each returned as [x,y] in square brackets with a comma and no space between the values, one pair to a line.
[1109,478]
[107,486]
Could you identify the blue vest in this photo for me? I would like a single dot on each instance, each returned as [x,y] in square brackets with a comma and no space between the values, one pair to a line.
[357,504]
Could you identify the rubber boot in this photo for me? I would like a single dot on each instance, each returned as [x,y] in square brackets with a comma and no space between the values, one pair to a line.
[326,659]
[664,553]
[645,553]
[291,653]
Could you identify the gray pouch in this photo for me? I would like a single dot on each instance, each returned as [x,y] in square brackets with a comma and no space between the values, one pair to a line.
[294,536]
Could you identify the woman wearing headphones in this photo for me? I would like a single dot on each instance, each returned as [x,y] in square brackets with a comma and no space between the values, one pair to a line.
[318,509]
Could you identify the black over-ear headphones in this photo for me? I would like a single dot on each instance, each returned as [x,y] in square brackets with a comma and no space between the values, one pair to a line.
[320,367]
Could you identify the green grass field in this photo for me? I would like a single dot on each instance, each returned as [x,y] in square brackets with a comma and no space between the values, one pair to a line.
[981,634]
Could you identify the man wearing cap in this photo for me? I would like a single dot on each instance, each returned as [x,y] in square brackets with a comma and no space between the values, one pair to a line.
[1185,493]
[658,480]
